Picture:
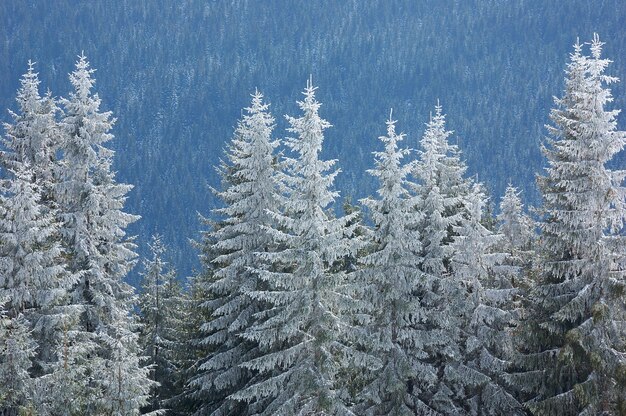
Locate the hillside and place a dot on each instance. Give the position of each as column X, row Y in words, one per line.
column 176, row 75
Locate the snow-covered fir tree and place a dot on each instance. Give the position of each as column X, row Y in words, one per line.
column 477, row 378
column 99, row 254
column 31, row 244
column 33, row 136
column 32, row 274
column 572, row 353
column 514, row 224
column 443, row 191
column 390, row 271
column 518, row 240
column 516, row 227
column 300, row 336
column 250, row 194
column 17, row 348
column 161, row 317
column 442, row 187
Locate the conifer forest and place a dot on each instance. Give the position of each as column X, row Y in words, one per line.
column 298, row 207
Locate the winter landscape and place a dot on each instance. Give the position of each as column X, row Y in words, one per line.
column 435, row 227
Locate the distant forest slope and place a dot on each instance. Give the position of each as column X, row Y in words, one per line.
column 177, row 73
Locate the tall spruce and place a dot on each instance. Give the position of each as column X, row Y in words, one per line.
column 518, row 241
column 100, row 255
column 514, row 224
column 443, row 191
column 572, row 357
column 442, row 188
column 17, row 348
column 477, row 376
column 32, row 138
column 32, row 274
column 390, row 270
column 161, row 316
column 250, row 194
column 194, row 352
column 300, row 335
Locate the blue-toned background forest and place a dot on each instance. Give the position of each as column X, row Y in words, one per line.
column 177, row 73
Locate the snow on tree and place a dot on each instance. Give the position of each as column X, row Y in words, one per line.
column 516, row 226
column 391, row 272
column 161, row 316
column 300, row 335
column 477, row 375
column 17, row 348
column 32, row 275
column 30, row 256
column 442, row 188
column 99, row 254
column 518, row 240
column 463, row 305
column 572, row 354
column 249, row 193
column 443, row 192
column 33, row 136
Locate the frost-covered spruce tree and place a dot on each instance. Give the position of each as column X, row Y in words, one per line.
column 32, row 276
column 476, row 376
column 161, row 317
column 32, row 137
column 573, row 354
column 391, row 274
column 442, row 187
column 516, row 226
column 250, row 194
column 99, row 254
column 518, row 240
column 31, row 257
column 17, row 349
column 300, row 336
column 443, row 191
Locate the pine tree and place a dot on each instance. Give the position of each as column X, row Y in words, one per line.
column 32, row 275
column 443, row 193
column 478, row 376
column 442, row 188
column 516, row 226
column 33, row 136
column 391, row 272
column 161, row 317
column 250, row 194
column 300, row 335
column 518, row 241
column 191, row 336
column 572, row 352
column 17, row 348
column 180, row 354
column 99, row 255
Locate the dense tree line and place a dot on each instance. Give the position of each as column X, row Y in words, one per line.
column 69, row 343
column 179, row 72
column 417, row 300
